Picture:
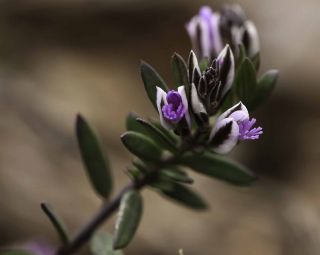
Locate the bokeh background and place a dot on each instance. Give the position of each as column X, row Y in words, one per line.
column 61, row 57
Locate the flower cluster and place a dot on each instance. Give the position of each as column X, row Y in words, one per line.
column 215, row 37
column 209, row 31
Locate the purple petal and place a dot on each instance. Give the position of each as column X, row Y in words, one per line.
column 238, row 107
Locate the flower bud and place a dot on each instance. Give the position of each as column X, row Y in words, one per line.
column 250, row 39
column 212, row 84
column 226, row 67
column 204, row 32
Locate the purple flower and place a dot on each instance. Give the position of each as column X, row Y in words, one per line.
column 204, row 33
column 231, row 126
column 173, row 108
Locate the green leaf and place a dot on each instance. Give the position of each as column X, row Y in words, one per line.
column 242, row 53
column 204, row 64
column 151, row 80
column 245, row 82
column 219, row 167
column 176, row 174
column 56, row 222
column 141, row 146
column 166, row 132
column 15, row 252
column 256, row 61
column 98, row 169
column 264, row 88
column 157, row 135
column 128, row 219
column 185, row 196
column 180, row 71
column 132, row 124
column 101, row 244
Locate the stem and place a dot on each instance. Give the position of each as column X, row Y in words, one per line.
column 110, row 207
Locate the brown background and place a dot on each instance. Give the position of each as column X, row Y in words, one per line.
column 58, row 58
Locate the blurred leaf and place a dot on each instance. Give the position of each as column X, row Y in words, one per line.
column 166, row 132
column 245, row 82
column 128, row 219
column 264, row 88
column 151, row 80
column 132, row 124
column 228, row 101
column 141, row 146
column 242, row 54
column 56, row 222
column 256, row 61
column 204, row 64
column 180, row 72
column 98, row 169
column 185, row 196
column 157, row 135
column 16, row 252
column 101, row 244
column 219, row 167
column 177, row 175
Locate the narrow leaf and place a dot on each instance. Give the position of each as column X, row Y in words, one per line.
column 157, row 135
column 256, row 61
column 98, row 169
column 264, row 88
column 141, row 146
column 166, row 132
column 219, row 167
column 176, row 175
column 128, row 219
column 245, row 82
column 180, row 71
column 132, row 124
column 101, row 244
column 56, row 222
column 151, row 80
column 185, row 196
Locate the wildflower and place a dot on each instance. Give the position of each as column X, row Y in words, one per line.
column 173, row 108
column 209, row 88
column 203, row 30
column 231, row 126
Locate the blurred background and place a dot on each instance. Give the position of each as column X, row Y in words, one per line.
column 61, row 57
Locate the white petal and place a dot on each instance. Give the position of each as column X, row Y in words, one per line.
column 239, row 116
column 196, row 104
column 182, row 92
column 238, row 107
column 231, row 73
column 162, row 97
column 194, row 60
column 191, row 27
column 254, row 45
column 205, row 38
column 217, row 40
column 231, row 139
